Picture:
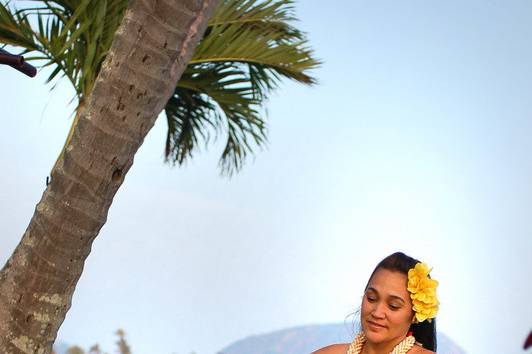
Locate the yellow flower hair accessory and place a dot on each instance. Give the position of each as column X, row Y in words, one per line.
column 422, row 291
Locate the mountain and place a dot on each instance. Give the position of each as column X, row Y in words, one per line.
column 300, row 340
column 306, row 339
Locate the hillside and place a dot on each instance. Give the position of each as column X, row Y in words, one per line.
column 306, row 339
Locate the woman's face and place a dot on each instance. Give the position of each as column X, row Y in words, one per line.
column 386, row 313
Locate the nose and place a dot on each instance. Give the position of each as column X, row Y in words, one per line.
column 379, row 310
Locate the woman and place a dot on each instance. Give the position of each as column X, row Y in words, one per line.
column 398, row 310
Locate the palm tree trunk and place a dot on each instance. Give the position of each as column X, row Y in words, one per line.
column 150, row 51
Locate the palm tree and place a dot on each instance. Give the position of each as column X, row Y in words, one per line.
column 125, row 66
column 248, row 47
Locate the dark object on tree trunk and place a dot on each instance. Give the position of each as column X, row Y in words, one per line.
column 17, row 62
column 528, row 342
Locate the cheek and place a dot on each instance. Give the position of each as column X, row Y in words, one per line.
column 403, row 317
column 365, row 308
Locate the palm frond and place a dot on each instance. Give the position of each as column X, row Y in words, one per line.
column 214, row 99
column 260, row 35
column 72, row 35
column 15, row 29
column 190, row 117
column 248, row 48
column 269, row 15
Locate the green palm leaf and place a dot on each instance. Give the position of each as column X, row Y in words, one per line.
column 15, row 29
column 248, row 48
column 73, row 36
column 214, row 98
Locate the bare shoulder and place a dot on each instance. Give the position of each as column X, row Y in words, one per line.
column 416, row 349
column 333, row 349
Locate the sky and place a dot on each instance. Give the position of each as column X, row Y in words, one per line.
column 417, row 138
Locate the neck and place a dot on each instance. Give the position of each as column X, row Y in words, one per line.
column 381, row 348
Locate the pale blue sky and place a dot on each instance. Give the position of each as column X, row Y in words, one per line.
column 417, row 139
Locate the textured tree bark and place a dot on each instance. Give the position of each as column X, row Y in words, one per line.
column 150, row 51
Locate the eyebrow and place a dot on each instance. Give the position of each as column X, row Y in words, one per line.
column 394, row 296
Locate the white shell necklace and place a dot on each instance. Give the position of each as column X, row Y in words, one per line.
column 401, row 348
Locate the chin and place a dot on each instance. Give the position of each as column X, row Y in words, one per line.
column 375, row 336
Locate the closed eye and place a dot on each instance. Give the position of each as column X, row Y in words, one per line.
column 371, row 298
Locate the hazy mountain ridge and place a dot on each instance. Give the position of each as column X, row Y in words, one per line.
column 299, row 340
column 306, row 339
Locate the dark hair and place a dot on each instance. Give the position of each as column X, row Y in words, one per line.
column 424, row 332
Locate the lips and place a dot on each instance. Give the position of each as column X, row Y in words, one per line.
column 375, row 326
